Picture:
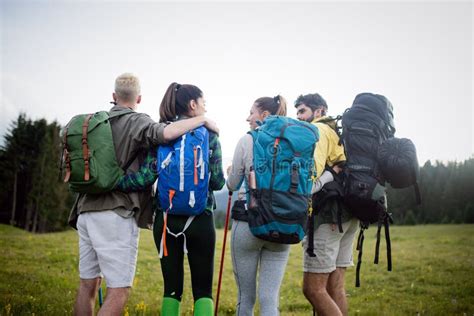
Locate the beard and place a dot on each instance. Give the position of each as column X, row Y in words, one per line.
column 310, row 119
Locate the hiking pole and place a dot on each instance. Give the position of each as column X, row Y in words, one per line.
column 101, row 297
column 223, row 252
column 101, row 294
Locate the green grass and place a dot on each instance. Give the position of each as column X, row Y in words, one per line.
column 433, row 274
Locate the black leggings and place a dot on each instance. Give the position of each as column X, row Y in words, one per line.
column 200, row 242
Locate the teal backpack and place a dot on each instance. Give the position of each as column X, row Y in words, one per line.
column 89, row 157
column 283, row 165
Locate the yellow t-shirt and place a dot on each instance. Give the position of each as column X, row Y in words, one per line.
column 328, row 151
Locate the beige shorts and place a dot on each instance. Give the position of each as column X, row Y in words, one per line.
column 332, row 248
column 108, row 246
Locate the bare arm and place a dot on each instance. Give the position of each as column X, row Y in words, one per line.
column 178, row 128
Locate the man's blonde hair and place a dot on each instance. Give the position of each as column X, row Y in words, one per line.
column 127, row 87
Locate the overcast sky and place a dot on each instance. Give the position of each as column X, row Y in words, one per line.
column 60, row 58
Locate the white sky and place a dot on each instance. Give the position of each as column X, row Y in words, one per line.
column 60, row 58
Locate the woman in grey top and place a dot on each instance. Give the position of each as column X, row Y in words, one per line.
column 249, row 253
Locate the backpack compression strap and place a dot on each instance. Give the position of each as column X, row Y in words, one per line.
column 85, row 147
column 360, row 244
column 385, row 221
column 416, row 187
column 163, row 248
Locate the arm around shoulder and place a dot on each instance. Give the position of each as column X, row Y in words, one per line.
column 178, row 128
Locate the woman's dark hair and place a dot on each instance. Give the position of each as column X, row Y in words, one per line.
column 176, row 100
column 313, row 101
column 275, row 105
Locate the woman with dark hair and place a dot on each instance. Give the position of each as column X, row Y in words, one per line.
column 180, row 233
column 251, row 255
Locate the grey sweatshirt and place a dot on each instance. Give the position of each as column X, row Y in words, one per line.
column 241, row 163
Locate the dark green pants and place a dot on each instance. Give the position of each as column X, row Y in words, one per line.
column 200, row 242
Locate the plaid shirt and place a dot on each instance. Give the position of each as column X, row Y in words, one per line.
column 148, row 173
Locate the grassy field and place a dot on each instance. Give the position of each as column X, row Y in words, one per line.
column 433, row 274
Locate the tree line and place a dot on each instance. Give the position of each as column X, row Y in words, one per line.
column 447, row 193
column 33, row 196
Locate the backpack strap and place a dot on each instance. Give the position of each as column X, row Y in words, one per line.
column 310, row 231
column 360, row 244
column 67, row 157
column 337, row 128
column 339, row 216
column 163, row 248
column 85, row 147
column 181, row 233
column 387, row 221
column 416, row 187
column 181, row 163
column 166, row 230
column 295, row 179
column 377, row 243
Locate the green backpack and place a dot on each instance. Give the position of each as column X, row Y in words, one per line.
column 89, row 153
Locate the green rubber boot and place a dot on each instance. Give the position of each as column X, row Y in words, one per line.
column 204, row 307
column 170, row 307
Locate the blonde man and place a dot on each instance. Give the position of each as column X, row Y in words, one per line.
column 108, row 223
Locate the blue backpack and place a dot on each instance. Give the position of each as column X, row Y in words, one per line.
column 284, row 165
column 183, row 173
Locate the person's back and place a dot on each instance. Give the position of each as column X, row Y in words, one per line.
column 254, row 258
column 323, row 282
column 107, row 223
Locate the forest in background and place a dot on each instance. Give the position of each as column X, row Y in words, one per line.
column 33, row 197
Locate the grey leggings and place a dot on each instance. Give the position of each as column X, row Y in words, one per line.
column 250, row 254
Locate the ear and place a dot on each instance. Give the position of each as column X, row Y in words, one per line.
column 192, row 105
column 139, row 99
column 265, row 114
column 114, row 96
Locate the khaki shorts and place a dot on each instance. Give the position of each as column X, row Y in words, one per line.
column 108, row 246
column 332, row 248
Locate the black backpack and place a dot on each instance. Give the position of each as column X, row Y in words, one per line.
column 399, row 164
column 332, row 192
column 365, row 126
column 374, row 157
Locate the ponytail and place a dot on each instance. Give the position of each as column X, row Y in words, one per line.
column 176, row 100
column 282, row 105
column 275, row 105
column 168, row 104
